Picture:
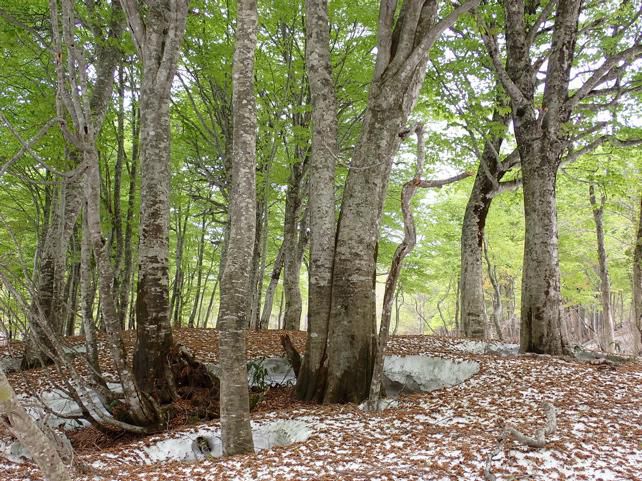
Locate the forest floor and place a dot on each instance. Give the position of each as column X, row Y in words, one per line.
column 446, row 434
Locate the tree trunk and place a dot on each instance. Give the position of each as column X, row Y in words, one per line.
column 22, row 426
column 157, row 32
column 49, row 300
column 402, row 55
column 541, row 138
column 498, row 309
column 473, row 319
column 637, row 282
column 325, row 150
column 128, row 263
column 541, row 297
column 269, row 293
column 199, row 275
column 292, row 262
column 607, row 334
column 236, row 431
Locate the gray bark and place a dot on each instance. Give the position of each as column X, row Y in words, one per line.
column 271, row 289
column 292, row 259
column 199, row 275
column 402, row 251
column 637, row 282
column 325, row 150
column 473, row 319
column 236, row 432
column 607, row 333
column 157, row 31
column 42, row 449
column 402, row 54
column 540, row 139
column 49, row 299
column 498, row 309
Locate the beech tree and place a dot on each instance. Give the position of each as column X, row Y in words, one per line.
column 637, row 279
column 403, row 42
column 235, row 281
column 542, row 137
column 157, row 28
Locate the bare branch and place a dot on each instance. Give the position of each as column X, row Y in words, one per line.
column 602, row 73
column 491, row 47
column 26, row 147
column 28, row 144
column 421, row 49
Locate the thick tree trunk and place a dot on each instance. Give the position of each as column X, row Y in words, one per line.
column 607, row 332
column 352, row 325
column 325, row 150
column 637, row 282
column 157, row 32
column 236, row 431
column 541, row 138
column 472, row 310
column 541, row 297
column 402, row 54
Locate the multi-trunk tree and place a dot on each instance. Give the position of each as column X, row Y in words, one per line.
column 540, row 123
column 403, row 43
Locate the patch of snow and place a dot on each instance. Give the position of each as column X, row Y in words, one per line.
column 268, row 371
column 206, row 442
column 424, row 373
column 486, row 347
column 61, row 404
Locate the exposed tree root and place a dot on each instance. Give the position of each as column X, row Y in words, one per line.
column 537, row 441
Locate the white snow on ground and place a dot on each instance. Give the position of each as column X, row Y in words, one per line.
column 184, row 446
column 424, row 374
column 442, row 435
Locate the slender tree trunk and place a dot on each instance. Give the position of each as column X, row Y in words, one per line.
column 176, row 304
column 128, row 262
column 117, row 238
column 86, row 296
column 498, row 310
column 403, row 249
column 23, row 427
column 472, row 310
column 49, row 300
column 269, row 293
column 211, row 303
column 607, row 336
column 144, row 412
column 199, row 274
column 637, row 283
column 236, row 431
column 258, row 260
column 292, row 264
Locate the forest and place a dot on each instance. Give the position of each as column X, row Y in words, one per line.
column 312, row 239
